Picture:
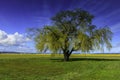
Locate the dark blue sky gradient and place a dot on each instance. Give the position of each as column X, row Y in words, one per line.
column 18, row 15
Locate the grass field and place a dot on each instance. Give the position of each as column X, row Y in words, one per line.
column 47, row 67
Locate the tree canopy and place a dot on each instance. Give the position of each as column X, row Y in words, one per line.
column 72, row 30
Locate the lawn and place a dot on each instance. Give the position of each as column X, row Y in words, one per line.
column 47, row 67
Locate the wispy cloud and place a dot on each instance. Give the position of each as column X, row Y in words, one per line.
column 115, row 48
column 115, row 28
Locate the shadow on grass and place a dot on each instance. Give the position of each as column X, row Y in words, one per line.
column 85, row 59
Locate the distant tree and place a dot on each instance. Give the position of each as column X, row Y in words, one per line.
column 72, row 30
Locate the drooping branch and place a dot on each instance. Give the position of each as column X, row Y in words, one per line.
column 72, row 30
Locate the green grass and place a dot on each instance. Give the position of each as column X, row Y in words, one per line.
column 45, row 67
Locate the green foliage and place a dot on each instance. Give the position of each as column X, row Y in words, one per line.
column 72, row 30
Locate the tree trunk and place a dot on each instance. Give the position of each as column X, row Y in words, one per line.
column 67, row 54
column 66, row 57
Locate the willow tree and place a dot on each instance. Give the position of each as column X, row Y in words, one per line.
column 72, row 30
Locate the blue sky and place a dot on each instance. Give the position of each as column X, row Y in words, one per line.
column 18, row 15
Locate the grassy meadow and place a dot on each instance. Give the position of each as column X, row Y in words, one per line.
column 47, row 67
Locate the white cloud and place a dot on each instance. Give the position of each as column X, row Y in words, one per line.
column 12, row 39
column 3, row 35
column 15, row 42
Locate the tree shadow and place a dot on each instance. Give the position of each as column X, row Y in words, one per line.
column 86, row 59
column 93, row 59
